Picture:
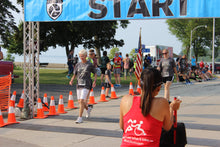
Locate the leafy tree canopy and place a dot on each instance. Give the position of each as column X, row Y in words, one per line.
column 201, row 36
column 7, row 23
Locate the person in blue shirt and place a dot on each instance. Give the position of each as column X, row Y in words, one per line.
column 193, row 63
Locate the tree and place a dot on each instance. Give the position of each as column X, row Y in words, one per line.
column 111, row 55
column 90, row 34
column 7, row 23
column 181, row 28
column 132, row 53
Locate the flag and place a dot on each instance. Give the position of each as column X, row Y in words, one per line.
column 138, row 68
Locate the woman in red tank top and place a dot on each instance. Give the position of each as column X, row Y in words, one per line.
column 142, row 117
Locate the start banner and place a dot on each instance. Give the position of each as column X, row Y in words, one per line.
column 90, row 10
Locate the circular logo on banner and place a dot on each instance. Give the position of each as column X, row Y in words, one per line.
column 54, row 8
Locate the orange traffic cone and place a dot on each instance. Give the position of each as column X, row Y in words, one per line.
column 2, row 124
column 91, row 97
column 138, row 89
column 21, row 101
column 70, row 101
column 52, row 110
column 40, row 112
column 113, row 94
column 131, row 90
column 45, row 108
column 13, row 97
column 102, row 98
column 61, row 105
column 11, row 114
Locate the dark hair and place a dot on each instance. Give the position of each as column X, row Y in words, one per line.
column 150, row 79
column 127, row 55
column 104, row 53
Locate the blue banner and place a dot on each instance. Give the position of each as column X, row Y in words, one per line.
column 90, row 10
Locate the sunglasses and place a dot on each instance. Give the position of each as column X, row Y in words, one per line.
column 164, row 53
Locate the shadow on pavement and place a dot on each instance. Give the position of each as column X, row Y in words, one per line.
column 92, row 119
column 202, row 142
column 74, row 130
column 202, row 127
column 213, row 116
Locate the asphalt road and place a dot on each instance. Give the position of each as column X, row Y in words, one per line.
column 200, row 111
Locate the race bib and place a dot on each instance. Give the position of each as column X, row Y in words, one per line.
column 81, row 82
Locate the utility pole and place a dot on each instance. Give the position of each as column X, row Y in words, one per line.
column 213, row 47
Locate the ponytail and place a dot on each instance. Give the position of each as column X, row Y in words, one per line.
column 150, row 80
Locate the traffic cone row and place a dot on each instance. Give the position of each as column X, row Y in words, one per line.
column 13, row 98
column 113, row 94
column 138, row 89
column 45, row 106
column 92, row 98
column 11, row 114
column 2, row 124
column 21, row 101
column 131, row 89
column 102, row 98
column 70, row 101
column 40, row 112
column 61, row 106
column 52, row 110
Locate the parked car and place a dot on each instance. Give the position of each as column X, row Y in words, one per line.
column 6, row 67
column 217, row 67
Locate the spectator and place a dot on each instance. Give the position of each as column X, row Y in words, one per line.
column 108, row 82
column 117, row 69
column 193, row 64
column 201, row 64
column 75, row 60
column 149, row 60
column 143, row 117
column 126, row 62
column 167, row 66
column 1, row 54
column 145, row 62
column 131, row 67
column 83, row 72
column 104, row 61
column 70, row 64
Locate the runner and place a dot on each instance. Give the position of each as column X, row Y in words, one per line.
column 83, row 72
column 167, row 66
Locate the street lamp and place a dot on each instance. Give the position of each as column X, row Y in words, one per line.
column 191, row 38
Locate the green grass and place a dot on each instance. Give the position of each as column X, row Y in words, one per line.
column 53, row 76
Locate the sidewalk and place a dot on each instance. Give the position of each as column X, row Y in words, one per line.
column 199, row 111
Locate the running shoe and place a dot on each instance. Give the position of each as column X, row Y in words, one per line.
column 88, row 111
column 107, row 96
column 68, row 77
column 116, row 85
column 79, row 120
column 119, row 85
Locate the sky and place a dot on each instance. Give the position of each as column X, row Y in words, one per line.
column 153, row 32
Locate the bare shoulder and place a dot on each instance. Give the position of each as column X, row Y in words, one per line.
column 127, row 99
column 160, row 101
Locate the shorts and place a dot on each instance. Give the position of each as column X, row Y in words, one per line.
column 183, row 71
column 165, row 79
column 103, row 70
column 82, row 93
column 117, row 71
column 107, row 85
column 193, row 68
column 126, row 72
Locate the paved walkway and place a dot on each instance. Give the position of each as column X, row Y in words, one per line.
column 200, row 111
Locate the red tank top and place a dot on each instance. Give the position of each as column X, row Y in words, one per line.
column 140, row 130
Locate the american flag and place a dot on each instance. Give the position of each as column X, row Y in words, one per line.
column 138, row 69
